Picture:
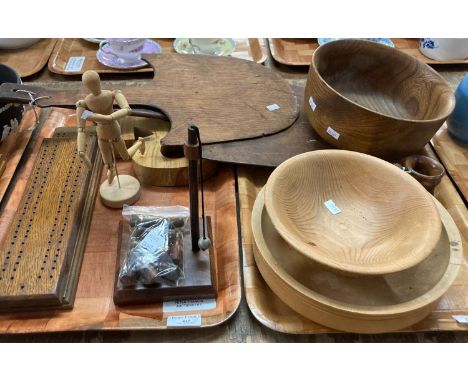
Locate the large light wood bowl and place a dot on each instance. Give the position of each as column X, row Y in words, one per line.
column 364, row 305
column 388, row 221
column 379, row 100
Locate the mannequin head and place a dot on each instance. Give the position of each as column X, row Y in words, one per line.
column 92, row 81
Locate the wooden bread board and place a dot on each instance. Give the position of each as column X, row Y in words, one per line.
column 30, row 60
column 94, row 308
column 253, row 49
column 298, row 51
column 228, row 98
column 273, row 313
column 271, row 150
column 454, row 157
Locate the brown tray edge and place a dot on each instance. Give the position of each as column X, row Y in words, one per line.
column 271, row 324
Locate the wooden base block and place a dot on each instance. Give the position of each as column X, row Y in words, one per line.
column 200, row 276
column 124, row 189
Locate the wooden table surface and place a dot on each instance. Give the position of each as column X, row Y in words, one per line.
column 243, row 327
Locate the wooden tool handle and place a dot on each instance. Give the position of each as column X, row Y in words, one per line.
column 15, row 93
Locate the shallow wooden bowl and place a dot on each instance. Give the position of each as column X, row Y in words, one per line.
column 364, row 305
column 368, row 97
column 388, row 221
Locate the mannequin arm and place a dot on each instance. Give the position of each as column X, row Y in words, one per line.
column 96, row 117
column 81, row 137
column 123, row 104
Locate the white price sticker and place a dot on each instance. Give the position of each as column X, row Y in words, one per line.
column 86, row 114
column 187, row 321
column 333, row 133
column 272, row 107
column 461, row 319
column 75, row 64
column 152, row 241
column 331, row 206
column 189, row 305
column 312, row 103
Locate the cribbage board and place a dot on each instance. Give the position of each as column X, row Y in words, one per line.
column 40, row 256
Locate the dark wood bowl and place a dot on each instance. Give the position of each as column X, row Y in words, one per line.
column 368, row 97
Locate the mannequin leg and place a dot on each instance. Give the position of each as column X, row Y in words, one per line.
column 106, row 152
column 120, row 147
column 138, row 145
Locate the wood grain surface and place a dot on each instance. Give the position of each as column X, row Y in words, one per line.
column 298, row 51
column 271, row 150
column 243, row 326
column 371, row 98
column 363, row 305
column 253, row 49
column 268, row 309
column 93, row 308
column 293, row 51
column 225, row 97
column 231, row 96
column 454, row 157
column 152, row 168
column 41, row 241
column 387, row 222
column 30, row 60
column 13, row 147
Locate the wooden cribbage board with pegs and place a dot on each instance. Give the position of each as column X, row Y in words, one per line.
column 40, row 257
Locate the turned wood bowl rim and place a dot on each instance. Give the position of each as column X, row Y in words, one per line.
column 318, row 301
column 313, row 67
column 420, row 174
column 429, row 238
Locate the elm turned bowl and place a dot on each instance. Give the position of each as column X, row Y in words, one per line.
column 388, row 221
column 364, row 305
column 368, row 97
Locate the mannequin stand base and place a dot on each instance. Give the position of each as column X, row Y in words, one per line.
column 114, row 196
column 200, row 272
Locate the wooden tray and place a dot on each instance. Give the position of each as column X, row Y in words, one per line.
column 454, row 156
column 94, row 308
column 253, row 49
column 13, row 147
column 30, row 60
column 298, row 51
column 273, row 313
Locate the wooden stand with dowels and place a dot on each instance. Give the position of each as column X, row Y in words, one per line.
column 98, row 107
column 199, row 255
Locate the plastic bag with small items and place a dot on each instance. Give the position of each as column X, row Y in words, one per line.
column 154, row 250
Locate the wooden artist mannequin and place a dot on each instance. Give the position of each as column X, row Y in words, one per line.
column 98, row 107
